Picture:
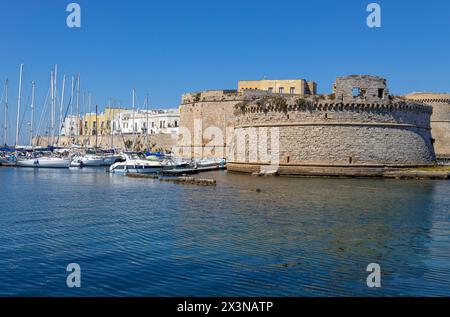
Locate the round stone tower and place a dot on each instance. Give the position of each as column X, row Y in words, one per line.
column 440, row 120
column 359, row 130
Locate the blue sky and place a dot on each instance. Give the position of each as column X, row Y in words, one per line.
column 166, row 48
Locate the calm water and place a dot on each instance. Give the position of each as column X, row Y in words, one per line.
column 297, row 237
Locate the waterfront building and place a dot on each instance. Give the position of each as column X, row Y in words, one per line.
column 71, row 126
column 147, row 122
column 100, row 123
column 284, row 86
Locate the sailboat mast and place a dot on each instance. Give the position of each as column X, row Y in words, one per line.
column 148, row 128
column 77, row 110
column 111, row 126
column 71, row 106
column 61, row 110
column 71, row 95
column 90, row 118
column 132, row 115
column 55, row 76
column 33, row 86
column 5, row 123
column 52, row 108
column 19, row 99
column 96, row 127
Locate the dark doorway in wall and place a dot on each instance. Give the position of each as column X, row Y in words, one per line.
column 350, row 160
column 380, row 93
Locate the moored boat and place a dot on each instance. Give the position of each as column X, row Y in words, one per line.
column 136, row 164
column 44, row 162
column 95, row 160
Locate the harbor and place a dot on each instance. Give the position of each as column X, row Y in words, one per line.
column 209, row 157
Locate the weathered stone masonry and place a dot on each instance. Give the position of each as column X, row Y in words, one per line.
column 339, row 134
column 440, row 120
column 200, row 112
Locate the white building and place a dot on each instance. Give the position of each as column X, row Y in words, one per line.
column 143, row 121
column 71, row 126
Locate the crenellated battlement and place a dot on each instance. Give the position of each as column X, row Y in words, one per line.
column 426, row 97
column 325, row 103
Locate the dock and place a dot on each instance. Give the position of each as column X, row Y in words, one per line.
column 190, row 180
column 189, row 171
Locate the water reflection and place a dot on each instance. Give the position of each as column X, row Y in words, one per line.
column 246, row 236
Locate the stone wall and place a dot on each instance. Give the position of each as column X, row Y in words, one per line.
column 207, row 121
column 323, row 136
column 440, row 120
column 360, row 87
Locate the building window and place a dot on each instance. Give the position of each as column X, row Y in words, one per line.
column 356, row 92
column 380, row 93
column 281, row 90
column 292, row 90
column 270, row 89
column 176, row 123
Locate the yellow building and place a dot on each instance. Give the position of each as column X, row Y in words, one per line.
column 99, row 123
column 286, row 86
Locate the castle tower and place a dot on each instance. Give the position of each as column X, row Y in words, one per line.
column 359, row 130
column 440, row 120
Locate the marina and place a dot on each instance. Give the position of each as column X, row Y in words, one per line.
column 224, row 157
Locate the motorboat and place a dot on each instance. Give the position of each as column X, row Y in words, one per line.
column 136, row 164
column 95, row 160
column 209, row 163
column 7, row 160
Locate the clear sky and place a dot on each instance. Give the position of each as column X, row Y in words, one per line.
column 167, row 48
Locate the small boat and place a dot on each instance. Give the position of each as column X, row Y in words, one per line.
column 44, row 162
column 95, row 160
column 209, row 163
column 136, row 164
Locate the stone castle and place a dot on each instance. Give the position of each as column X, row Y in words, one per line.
column 358, row 130
column 440, row 120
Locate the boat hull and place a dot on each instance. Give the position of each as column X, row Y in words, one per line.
column 99, row 161
column 43, row 163
column 136, row 170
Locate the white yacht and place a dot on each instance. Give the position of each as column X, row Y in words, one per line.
column 136, row 164
column 95, row 160
column 44, row 162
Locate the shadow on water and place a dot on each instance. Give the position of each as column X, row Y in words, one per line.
column 246, row 236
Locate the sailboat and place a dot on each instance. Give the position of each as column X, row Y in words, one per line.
column 44, row 162
column 38, row 160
